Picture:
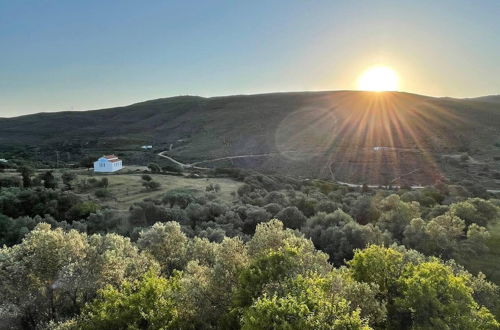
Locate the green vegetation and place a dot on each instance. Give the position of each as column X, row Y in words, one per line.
column 303, row 133
column 244, row 250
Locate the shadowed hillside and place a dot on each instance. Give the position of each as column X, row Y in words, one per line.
column 377, row 138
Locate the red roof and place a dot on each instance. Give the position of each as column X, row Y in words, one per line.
column 112, row 158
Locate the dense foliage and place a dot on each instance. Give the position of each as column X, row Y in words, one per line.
column 333, row 257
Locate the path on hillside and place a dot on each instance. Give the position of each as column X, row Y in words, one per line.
column 162, row 154
column 193, row 165
column 247, row 156
column 353, row 185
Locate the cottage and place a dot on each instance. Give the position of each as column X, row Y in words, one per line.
column 107, row 164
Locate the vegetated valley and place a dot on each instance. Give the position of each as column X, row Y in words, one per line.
column 331, row 210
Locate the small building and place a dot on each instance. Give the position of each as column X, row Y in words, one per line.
column 107, row 164
column 147, row 147
column 3, row 160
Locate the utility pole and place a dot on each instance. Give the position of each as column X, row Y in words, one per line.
column 57, row 158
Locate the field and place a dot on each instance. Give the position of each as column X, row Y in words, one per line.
column 127, row 188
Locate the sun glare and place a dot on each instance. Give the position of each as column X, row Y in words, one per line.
column 378, row 79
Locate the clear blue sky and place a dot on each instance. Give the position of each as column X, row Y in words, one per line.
column 77, row 55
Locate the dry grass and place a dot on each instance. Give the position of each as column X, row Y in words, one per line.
column 127, row 188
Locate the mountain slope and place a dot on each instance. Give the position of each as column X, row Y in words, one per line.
column 488, row 98
column 356, row 136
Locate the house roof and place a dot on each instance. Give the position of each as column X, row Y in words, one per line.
column 111, row 158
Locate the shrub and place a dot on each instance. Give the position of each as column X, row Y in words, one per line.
column 154, row 168
column 146, row 177
column 102, row 193
column 151, row 185
column 10, row 181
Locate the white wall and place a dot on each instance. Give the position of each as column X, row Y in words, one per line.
column 103, row 165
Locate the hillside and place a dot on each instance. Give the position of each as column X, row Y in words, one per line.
column 356, row 136
column 487, row 98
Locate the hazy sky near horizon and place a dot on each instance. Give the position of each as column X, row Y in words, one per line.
column 79, row 55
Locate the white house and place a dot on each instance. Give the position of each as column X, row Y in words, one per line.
column 107, row 164
column 147, row 147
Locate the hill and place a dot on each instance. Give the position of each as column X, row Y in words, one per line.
column 487, row 98
column 377, row 138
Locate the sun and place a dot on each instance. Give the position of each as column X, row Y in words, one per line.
column 378, row 79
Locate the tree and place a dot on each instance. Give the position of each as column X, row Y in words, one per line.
column 364, row 210
column 396, row 215
column 151, row 185
column 87, row 162
column 291, row 217
column 276, row 197
column 339, row 235
column 206, row 292
column 31, row 272
column 476, row 210
column 272, row 236
column 154, row 168
column 180, row 197
column 415, row 235
column 271, row 267
column 82, row 210
column 435, row 298
column 301, row 311
column 253, row 217
column 379, row 265
column 103, row 221
column 167, row 244
column 148, row 303
column 67, row 178
column 26, row 173
column 304, row 302
column 172, row 168
column 49, row 181
column 444, row 232
column 52, row 273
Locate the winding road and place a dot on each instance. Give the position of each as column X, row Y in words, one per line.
column 353, row 185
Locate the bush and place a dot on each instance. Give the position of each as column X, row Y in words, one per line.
column 154, row 168
column 104, row 183
column 10, row 181
column 82, row 210
column 180, row 197
column 172, row 168
column 151, row 185
column 146, row 177
column 102, row 193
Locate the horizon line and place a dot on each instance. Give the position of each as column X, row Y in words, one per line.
column 253, row 94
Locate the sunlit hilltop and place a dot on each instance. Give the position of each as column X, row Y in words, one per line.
column 378, row 79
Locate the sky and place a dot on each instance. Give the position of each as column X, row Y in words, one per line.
column 81, row 55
